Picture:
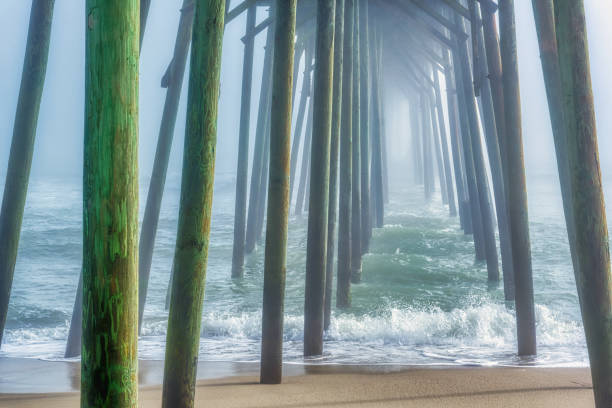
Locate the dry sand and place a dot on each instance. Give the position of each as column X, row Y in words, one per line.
column 382, row 386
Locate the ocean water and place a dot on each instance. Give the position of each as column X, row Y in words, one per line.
column 423, row 299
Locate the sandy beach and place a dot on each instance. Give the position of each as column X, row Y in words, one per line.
column 321, row 386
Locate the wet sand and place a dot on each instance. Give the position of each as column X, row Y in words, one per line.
column 235, row 385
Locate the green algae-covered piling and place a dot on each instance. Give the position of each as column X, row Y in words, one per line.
column 333, row 158
column 343, row 288
column 185, row 316
column 316, row 250
column 356, row 155
column 109, row 364
column 173, row 81
column 278, row 195
column 593, row 278
column 364, row 132
column 257, row 172
column 22, row 146
column 243, row 148
column 516, row 185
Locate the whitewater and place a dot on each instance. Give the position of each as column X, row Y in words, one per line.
column 423, row 300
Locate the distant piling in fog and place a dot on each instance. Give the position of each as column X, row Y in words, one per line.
column 22, row 146
column 334, row 158
column 278, row 195
column 516, row 185
column 243, row 147
column 343, row 297
column 316, row 251
column 356, row 154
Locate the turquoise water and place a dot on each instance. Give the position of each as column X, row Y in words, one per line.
column 423, row 300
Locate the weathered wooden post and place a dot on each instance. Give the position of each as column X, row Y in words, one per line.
column 297, row 134
column 278, row 195
column 545, row 24
column 316, row 251
column 243, row 147
column 299, row 203
column 260, row 144
column 468, row 162
column 376, row 165
column 450, row 191
column 593, row 277
column 356, row 154
column 173, row 81
column 109, row 364
column 185, row 316
column 492, row 141
column 426, row 131
column 516, row 186
column 343, row 288
column 263, row 185
column 417, row 157
column 435, row 133
column 333, row 160
column 486, row 211
column 22, row 146
column 364, row 132
column 458, row 161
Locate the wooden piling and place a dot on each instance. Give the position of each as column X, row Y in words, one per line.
column 468, row 161
column 376, row 165
column 299, row 123
column 426, row 131
column 343, row 297
column 260, row 143
column 191, row 254
column 243, row 147
column 593, row 277
column 450, row 190
column 333, row 160
column 455, row 138
column 356, row 232
column 516, row 189
column 278, row 195
column 109, row 363
column 492, row 141
column 316, row 249
column 437, row 148
column 173, row 80
column 486, row 209
column 22, row 146
column 364, row 132
column 301, row 194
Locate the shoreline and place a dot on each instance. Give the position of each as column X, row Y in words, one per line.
column 236, row 385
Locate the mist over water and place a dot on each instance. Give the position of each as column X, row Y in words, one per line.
column 423, row 300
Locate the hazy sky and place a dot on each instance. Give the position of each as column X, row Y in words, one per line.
column 60, row 129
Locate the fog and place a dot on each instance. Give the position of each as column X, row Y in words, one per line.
column 59, row 138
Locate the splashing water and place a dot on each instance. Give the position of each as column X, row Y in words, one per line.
column 423, row 300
